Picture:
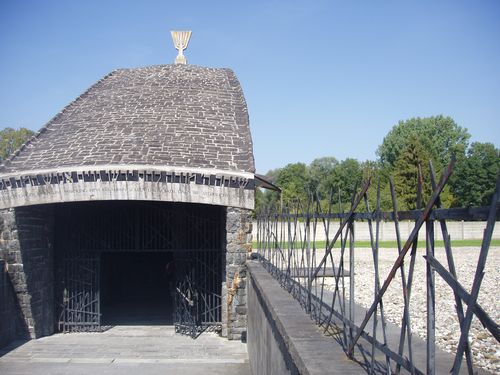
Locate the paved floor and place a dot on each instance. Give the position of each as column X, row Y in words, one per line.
column 126, row 350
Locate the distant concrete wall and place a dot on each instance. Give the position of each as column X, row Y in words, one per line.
column 282, row 339
column 458, row 230
column 26, row 246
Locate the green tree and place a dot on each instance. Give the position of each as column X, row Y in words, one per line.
column 265, row 200
column 293, row 179
column 473, row 181
column 320, row 171
column 439, row 135
column 345, row 178
column 11, row 140
column 406, row 174
column 373, row 169
column 272, row 174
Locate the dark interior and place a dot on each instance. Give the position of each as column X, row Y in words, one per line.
column 137, row 287
column 119, row 263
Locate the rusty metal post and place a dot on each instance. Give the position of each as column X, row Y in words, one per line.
column 431, row 301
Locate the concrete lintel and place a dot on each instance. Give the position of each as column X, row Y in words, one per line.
column 129, row 167
column 141, row 182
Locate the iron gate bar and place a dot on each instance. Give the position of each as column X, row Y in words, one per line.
column 287, row 243
column 198, row 304
column 405, row 324
column 375, row 247
column 478, row 278
column 431, row 301
column 482, row 315
column 80, row 304
column 451, row 266
column 404, row 362
column 406, row 319
column 344, row 223
column 477, row 281
column 405, row 249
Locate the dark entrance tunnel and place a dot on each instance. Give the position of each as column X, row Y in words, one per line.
column 137, row 287
column 138, row 263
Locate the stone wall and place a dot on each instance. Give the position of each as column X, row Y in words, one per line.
column 267, row 351
column 7, row 308
column 234, row 292
column 26, row 245
column 282, row 338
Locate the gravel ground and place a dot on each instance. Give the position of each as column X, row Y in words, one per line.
column 485, row 349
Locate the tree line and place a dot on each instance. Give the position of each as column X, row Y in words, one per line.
column 11, row 139
column 408, row 146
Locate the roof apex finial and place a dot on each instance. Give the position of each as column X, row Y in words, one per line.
column 181, row 40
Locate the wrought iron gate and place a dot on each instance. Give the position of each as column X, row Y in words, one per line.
column 194, row 233
column 197, row 294
column 79, row 310
column 78, row 273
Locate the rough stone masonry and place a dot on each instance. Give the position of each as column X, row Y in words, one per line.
column 26, row 247
column 238, row 248
column 186, row 120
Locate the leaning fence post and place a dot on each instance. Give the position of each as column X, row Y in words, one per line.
column 308, row 255
column 351, row 277
column 399, row 262
column 478, row 278
column 431, row 301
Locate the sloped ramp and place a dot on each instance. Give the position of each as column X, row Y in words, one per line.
column 126, row 350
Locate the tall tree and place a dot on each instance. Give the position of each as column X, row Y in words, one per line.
column 11, row 140
column 293, row 179
column 320, row 171
column 373, row 170
column 345, row 178
column 406, row 167
column 439, row 135
column 474, row 179
column 272, row 174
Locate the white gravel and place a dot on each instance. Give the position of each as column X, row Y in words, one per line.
column 485, row 349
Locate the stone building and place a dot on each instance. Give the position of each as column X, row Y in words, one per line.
column 133, row 203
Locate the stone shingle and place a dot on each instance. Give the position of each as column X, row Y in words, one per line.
column 166, row 115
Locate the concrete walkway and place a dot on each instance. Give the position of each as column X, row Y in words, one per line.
column 126, row 350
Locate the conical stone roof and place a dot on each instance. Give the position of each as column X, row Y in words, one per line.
column 166, row 115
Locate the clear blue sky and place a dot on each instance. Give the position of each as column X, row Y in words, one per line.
column 321, row 78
